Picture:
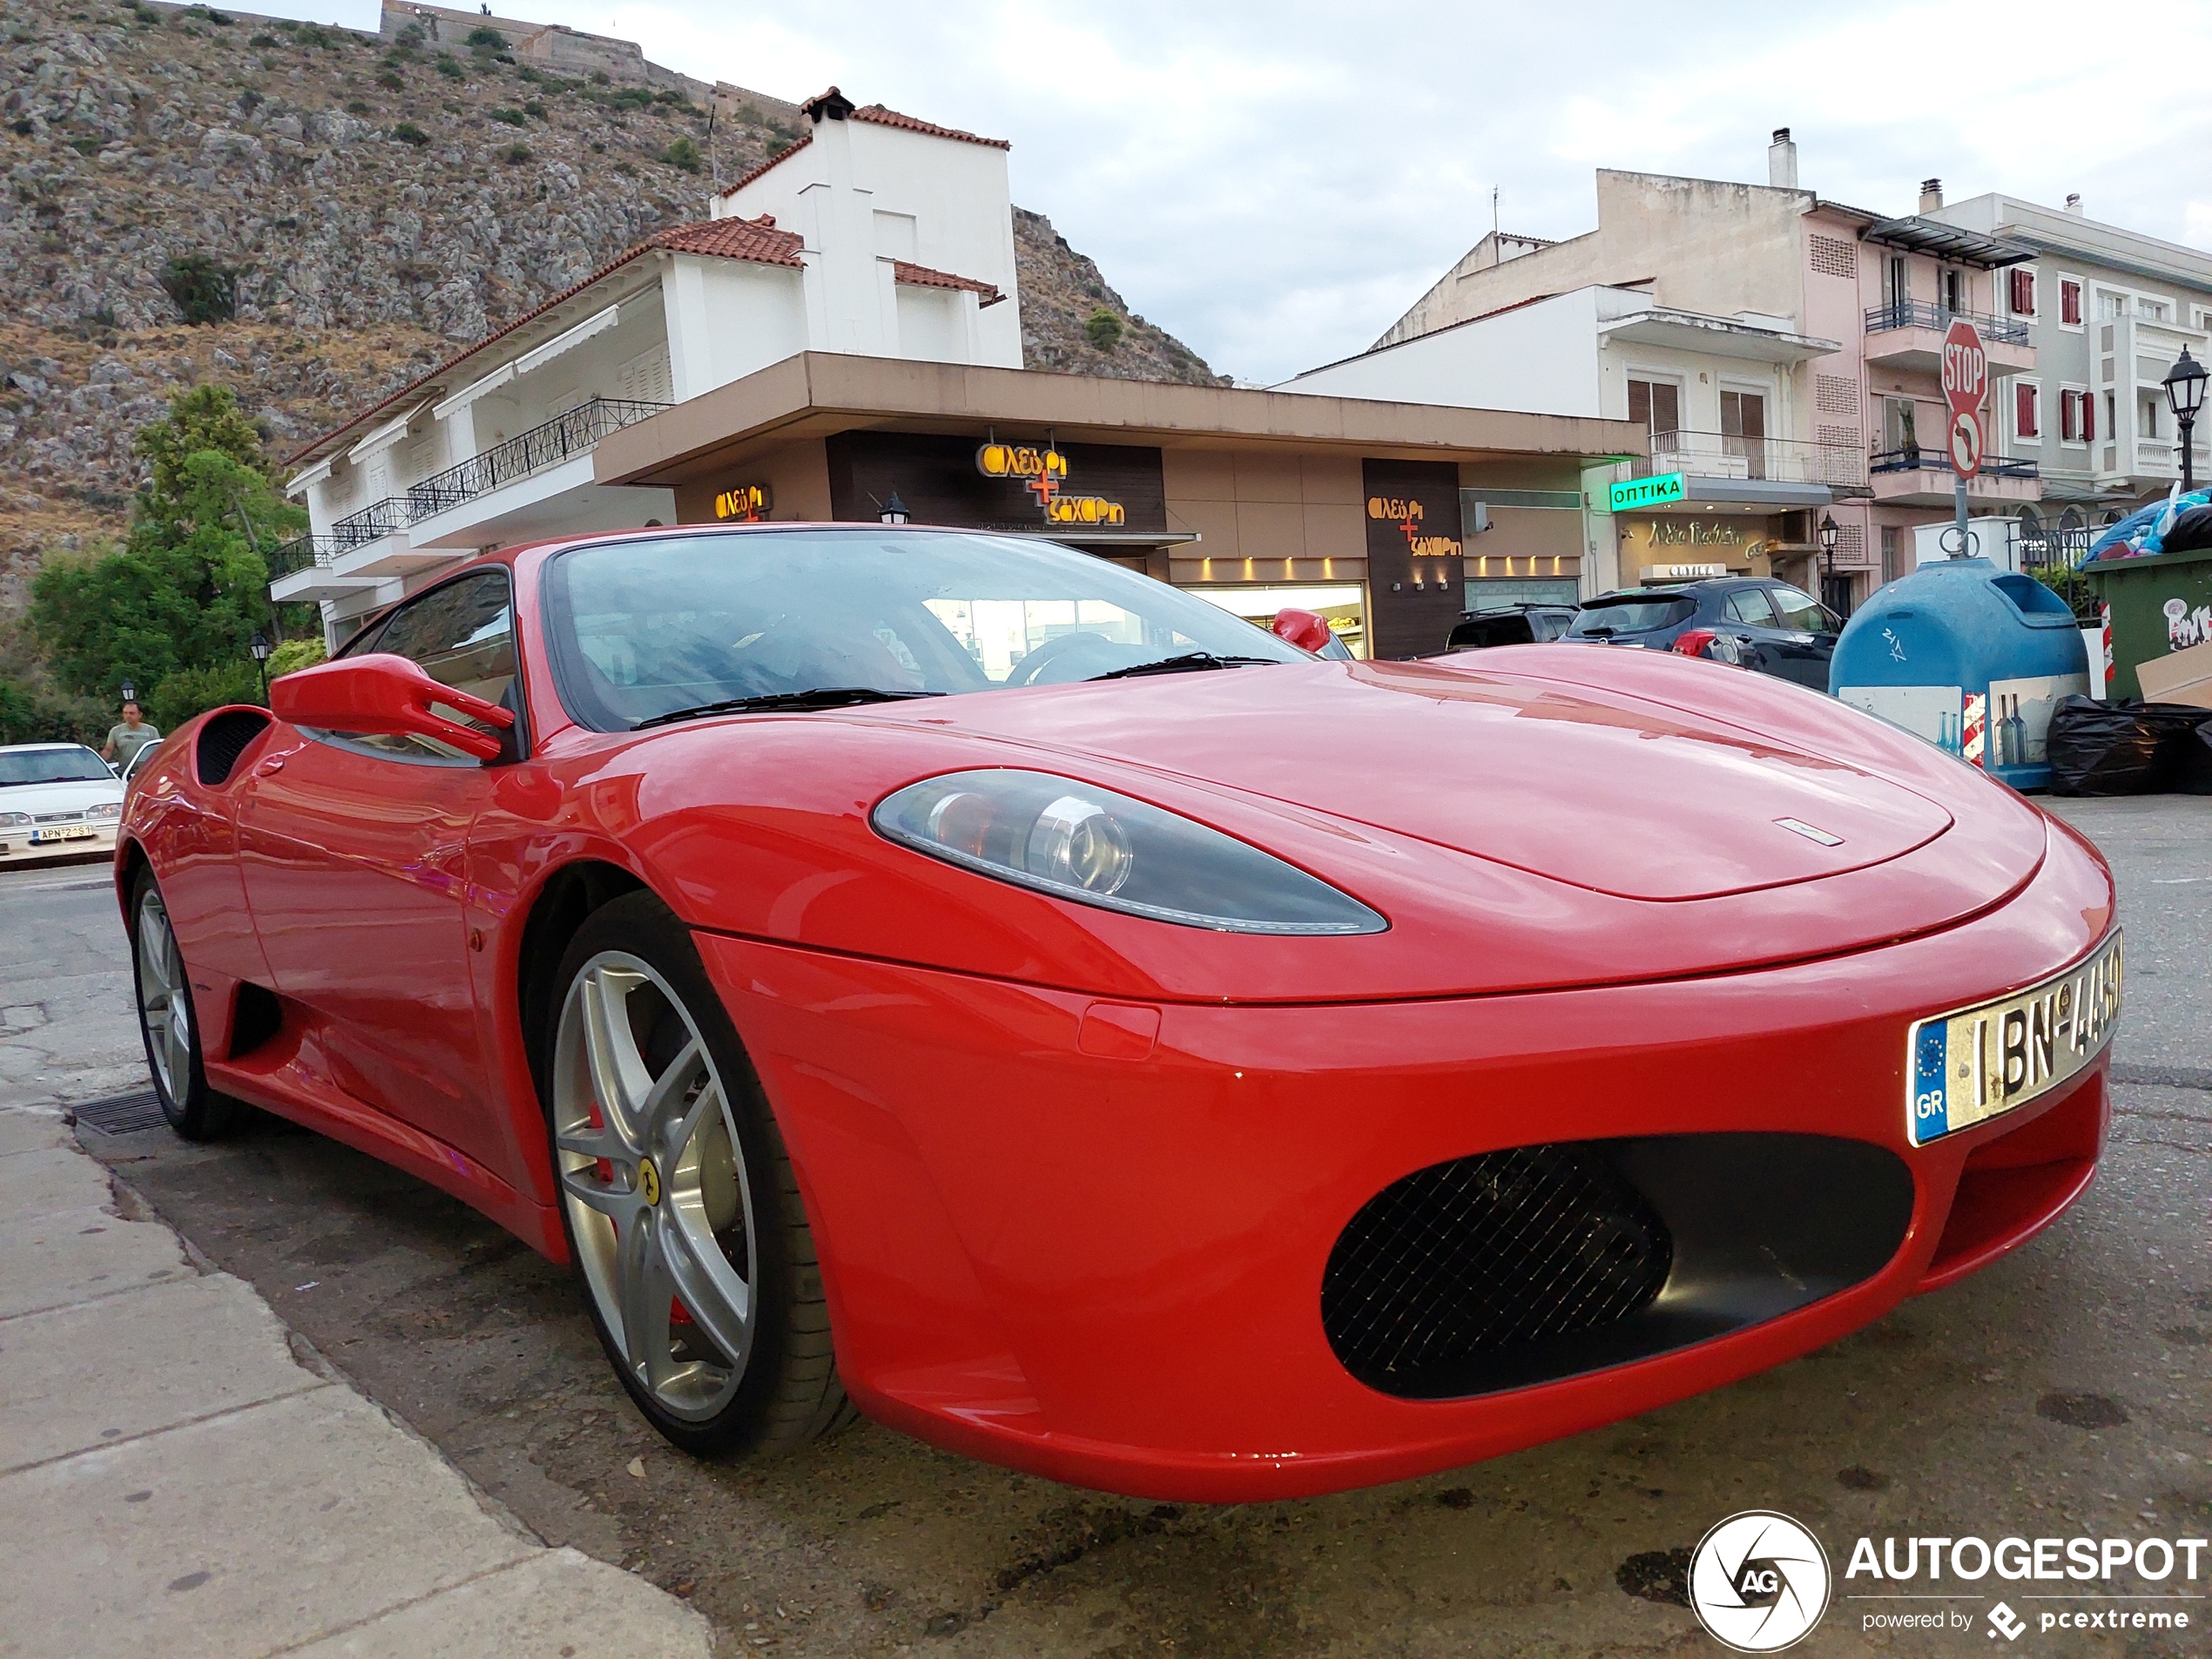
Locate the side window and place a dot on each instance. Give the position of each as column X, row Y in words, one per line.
column 462, row 635
column 1802, row 612
column 1749, row 605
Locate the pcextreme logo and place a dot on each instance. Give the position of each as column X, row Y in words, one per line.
column 1758, row 1582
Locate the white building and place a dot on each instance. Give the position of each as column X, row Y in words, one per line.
column 877, row 235
column 1717, row 396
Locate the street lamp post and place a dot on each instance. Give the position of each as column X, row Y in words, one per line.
column 1828, row 534
column 260, row 649
column 2185, row 397
column 894, row 510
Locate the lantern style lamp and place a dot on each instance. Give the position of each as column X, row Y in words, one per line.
column 1828, row 534
column 2185, row 397
column 894, row 510
column 260, row 649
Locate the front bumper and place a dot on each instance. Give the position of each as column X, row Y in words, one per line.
column 16, row 846
column 1089, row 1239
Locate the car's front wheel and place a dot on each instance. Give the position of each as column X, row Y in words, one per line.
column 681, row 1206
column 169, row 1022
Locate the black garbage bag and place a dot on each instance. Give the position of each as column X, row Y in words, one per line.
column 2192, row 530
column 2130, row 748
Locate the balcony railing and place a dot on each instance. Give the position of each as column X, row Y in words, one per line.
column 1939, row 460
column 545, row 445
column 1723, row 455
column 372, row 523
column 1913, row 314
column 300, row 552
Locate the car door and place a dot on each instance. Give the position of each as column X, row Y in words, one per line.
column 1808, row 636
column 1750, row 620
column 355, row 853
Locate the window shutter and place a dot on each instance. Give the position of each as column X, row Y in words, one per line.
column 2024, row 409
column 2088, row 418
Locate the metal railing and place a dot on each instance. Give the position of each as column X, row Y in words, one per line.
column 372, row 523
column 545, row 445
column 1723, row 455
column 1939, row 460
column 1914, row 313
column 300, row 552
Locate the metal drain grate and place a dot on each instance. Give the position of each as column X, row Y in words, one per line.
column 122, row 1114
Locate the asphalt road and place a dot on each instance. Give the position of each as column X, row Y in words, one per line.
column 2066, row 1389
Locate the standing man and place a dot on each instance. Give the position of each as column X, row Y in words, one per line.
column 124, row 741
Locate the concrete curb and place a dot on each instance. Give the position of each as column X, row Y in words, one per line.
column 180, row 1473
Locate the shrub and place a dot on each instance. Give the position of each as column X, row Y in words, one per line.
column 249, row 101
column 203, row 290
column 183, row 692
column 516, row 154
column 264, row 42
column 87, row 146
column 484, row 39
column 391, row 82
column 313, row 34
column 296, row 654
column 450, row 66
column 513, row 118
column 1104, row 330
column 622, row 167
column 407, row 132
column 683, row 153
column 355, row 106
column 413, row 35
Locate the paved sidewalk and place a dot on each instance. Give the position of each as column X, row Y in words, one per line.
column 181, row 1476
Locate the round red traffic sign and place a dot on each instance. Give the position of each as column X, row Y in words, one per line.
column 1965, row 445
column 1965, row 367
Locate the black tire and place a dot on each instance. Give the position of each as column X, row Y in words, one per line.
column 783, row 1391
column 166, row 1010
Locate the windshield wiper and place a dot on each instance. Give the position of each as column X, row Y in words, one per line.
column 819, row 697
column 1189, row 662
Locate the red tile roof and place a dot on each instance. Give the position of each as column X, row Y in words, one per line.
column 920, row 276
column 882, row 116
column 754, row 240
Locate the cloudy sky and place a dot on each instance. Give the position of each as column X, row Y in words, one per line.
column 1274, row 181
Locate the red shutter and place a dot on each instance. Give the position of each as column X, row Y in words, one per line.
column 2069, row 302
column 2024, row 409
column 2023, row 293
column 2088, row 417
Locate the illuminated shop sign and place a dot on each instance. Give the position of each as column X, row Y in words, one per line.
column 1043, row 472
column 745, row 503
column 1648, row 492
column 1406, row 513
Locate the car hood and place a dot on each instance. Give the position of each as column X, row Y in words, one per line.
column 1577, row 782
column 39, row 798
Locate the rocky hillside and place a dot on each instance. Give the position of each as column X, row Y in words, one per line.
column 313, row 215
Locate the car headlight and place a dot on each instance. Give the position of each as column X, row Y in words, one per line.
column 15, row 820
column 105, row 809
column 1078, row 841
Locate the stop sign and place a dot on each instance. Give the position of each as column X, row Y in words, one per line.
column 1965, row 367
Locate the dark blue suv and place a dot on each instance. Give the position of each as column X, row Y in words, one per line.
column 1756, row 621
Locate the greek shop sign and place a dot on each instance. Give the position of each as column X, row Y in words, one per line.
column 1648, row 492
column 1043, row 472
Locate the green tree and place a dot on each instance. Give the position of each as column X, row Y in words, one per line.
column 187, row 590
column 683, row 153
column 1104, row 330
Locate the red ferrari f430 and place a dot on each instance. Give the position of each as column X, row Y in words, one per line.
column 954, row 977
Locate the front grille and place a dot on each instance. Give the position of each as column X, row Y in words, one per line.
column 44, row 818
column 1487, row 1253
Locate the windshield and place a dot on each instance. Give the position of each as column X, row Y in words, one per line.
column 643, row 629
column 73, row 766
column 1601, row 618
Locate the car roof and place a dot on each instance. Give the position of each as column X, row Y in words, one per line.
column 35, row 748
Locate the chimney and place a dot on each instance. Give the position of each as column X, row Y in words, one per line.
column 2074, row 205
column 1930, row 194
column 1782, row 160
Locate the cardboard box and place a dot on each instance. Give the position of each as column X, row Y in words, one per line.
column 2178, row 677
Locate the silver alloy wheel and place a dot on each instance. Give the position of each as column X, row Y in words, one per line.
column 165, row 1001
column 653, row 1175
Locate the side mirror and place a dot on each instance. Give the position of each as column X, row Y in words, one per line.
column 1301, row 628
column 386, row 696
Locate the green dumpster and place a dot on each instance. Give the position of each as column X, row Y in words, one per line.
column 2158, row 604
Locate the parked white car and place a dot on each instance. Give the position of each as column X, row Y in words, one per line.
column 56, row 800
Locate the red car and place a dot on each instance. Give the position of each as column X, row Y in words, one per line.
column 954, row 977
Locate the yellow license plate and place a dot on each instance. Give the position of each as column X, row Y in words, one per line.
column 1979, row 1063
column 74, row 832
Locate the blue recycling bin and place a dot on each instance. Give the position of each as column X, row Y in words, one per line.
column 1971, row 658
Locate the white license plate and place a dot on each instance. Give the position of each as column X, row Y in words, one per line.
column 73, row 833
column 1981, row 1062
